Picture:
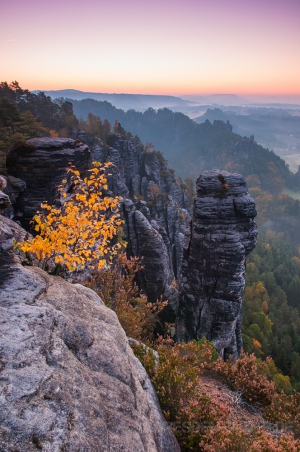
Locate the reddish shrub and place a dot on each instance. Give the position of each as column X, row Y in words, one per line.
column 247, row 376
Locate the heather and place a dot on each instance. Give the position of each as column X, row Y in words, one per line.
column 214, row 405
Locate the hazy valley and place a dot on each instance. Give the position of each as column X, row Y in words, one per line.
column 275, row 125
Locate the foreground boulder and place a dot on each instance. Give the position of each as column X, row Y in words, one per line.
column 68, row 377
column 222, row 234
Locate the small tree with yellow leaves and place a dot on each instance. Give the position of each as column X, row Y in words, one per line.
column 80, row 233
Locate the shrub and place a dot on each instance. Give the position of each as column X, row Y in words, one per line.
column 117, row 287
column 247, row 376
column 204, row 421
column 232, row 437
column 80, row 232
column 176, row 379
column 285, row 410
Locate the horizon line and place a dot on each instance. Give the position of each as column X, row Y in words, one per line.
column 176, row 95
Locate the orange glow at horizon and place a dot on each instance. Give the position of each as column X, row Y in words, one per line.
column 183, row 47
column 163, row 89
column 165, row 86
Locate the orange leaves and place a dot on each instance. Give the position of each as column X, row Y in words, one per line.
column 80, row 232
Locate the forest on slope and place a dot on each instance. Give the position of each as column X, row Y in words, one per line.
column 271, row 324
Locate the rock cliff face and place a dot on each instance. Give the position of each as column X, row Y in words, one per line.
column 145, row 179
column 222, row 233
column 155, row 212
column 68, row 378
column 42, row 166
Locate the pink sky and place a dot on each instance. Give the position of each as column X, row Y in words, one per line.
column 159, row 47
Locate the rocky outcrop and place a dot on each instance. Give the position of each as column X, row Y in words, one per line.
column 147, row 243
column 12, row 188
column 136, row 167
column 42, row 166
column 4, row 201
column 4, row 198
column 10, row 232
column 69, row 380
column 222, row 233
column 154, row 208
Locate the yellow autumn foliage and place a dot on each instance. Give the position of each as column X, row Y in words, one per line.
column 81, row 231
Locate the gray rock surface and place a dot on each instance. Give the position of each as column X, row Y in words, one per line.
column 3, row 182
column 4, row 198
column 10, row 232
column 222, row 233
column 4, row 201
column 12, row 188
column 68, row 377
column 147, row 243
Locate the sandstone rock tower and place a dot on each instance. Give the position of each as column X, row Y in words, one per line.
column 222, row 234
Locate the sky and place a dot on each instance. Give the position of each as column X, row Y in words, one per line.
column 178, row 47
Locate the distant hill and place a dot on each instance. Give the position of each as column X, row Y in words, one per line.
column 191, row 105
column 219, row 99
column 139, row 102
column 275, row 128
column 251, row 100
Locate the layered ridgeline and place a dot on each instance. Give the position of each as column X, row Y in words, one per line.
column 191, row 148
column 276, row 127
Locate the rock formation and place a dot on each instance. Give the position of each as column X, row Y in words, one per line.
column 147, row 243
column 68, row 377
column 155, row 212
column 4, row 198
column 4, row 201
column 12, row 187
column 154, row 208
column 221, row 235
column 42, row 166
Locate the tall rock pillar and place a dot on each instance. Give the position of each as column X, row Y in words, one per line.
column 223, row 232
